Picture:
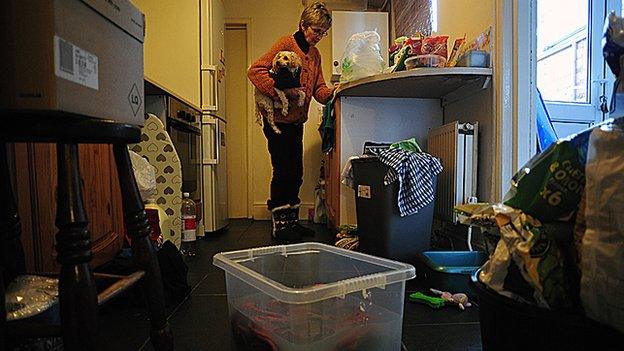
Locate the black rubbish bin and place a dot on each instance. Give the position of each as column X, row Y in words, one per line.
column 381, row 229
column 510, row 325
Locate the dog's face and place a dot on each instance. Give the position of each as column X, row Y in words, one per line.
column 286, row 59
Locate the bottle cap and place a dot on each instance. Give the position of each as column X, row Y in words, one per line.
column 185, row 195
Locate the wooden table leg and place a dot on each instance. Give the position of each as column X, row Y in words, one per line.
column 77, row 293
column 139, row 230
column 11, row 251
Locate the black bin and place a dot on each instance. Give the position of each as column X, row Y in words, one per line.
column 381, row 229
column 510, row 325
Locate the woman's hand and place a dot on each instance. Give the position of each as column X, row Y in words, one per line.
column 292, row 93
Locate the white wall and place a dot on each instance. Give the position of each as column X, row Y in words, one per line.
column 271, row 19
column 456, row 18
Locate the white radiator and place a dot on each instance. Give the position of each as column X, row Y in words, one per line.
column 456, row 146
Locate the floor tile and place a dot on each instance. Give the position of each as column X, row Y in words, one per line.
column 443, row 337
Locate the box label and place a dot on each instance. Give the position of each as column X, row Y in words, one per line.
column 364, row 191
column 75, row 64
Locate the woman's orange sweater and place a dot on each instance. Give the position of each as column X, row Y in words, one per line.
column 311, row 79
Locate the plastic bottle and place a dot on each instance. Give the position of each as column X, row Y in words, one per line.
column 189, row 226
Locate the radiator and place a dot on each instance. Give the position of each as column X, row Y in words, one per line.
column 456, row 146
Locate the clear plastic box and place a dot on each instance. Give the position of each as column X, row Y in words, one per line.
column 313, row 296
column 429, row 60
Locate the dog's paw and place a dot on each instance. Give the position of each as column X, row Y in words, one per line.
column 301, row 99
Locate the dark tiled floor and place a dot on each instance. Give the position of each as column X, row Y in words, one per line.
column 200, row 322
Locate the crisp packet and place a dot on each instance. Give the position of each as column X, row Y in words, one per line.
column 454, row 56
column 550, row 185
column 539, row 253
column 436, row 45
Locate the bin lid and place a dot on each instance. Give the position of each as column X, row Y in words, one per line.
column 327, row 272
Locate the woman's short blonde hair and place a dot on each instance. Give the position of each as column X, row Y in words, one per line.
column 316, row 14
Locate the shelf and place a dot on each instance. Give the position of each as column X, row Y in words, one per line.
column 425, row 83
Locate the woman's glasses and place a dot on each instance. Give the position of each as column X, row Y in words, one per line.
column 319, row 32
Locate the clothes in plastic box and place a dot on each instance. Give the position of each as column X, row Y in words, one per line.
column 313, row 296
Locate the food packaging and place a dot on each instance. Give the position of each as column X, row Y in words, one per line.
column 425, row 61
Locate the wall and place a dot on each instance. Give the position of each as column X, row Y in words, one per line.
column 456, row 17
column 170, row 62
column 270, row 20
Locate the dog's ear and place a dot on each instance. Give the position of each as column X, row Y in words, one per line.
column 274, row 65
column 296, row 60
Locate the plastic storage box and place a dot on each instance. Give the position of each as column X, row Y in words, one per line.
column 381, row 229
column 429, row 60
column 314, row 296
column 474, row 58
column 450, row 270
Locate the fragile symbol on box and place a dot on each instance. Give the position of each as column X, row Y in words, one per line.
column 135, row 99
column 364, row 191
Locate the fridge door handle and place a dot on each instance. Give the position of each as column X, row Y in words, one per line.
column 206, row 158
column 217, row 142
column 210, row 97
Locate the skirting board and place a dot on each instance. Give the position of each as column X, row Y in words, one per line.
column 260, row 212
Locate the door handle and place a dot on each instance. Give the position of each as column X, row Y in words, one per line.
column 209, row 103
column 212, row 124
column 217, row 139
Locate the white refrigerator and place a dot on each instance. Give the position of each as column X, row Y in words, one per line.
column 214, row 122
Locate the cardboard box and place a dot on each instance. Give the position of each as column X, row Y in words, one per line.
column 79, row 56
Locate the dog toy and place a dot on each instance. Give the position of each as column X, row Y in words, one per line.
column 461, row 300
column 431, row 301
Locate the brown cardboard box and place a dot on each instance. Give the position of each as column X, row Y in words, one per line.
column 79, row 56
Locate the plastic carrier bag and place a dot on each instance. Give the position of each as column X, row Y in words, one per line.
column 362, row 57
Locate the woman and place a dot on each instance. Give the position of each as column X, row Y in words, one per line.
column 286, row 149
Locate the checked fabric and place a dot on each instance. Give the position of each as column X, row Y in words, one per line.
column 416, row 173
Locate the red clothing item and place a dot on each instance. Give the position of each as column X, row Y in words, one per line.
column 311, row 79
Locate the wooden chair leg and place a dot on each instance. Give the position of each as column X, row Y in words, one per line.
column 12, row 262
column 77, row 293
column 11, row 251
column 2, row 312
column 139, row 230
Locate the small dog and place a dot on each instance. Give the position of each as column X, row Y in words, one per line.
column 285, row 72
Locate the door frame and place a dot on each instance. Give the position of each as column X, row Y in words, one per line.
column 514, row 82
column 247, row 23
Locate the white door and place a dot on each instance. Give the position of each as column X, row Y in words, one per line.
column 237, row 106
column 572, row 76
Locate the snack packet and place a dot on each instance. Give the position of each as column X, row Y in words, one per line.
column 550, row 185
column 435, row 46
column 454, row 56
column 530, row 263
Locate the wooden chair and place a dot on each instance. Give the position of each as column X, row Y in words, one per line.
column 77, row 291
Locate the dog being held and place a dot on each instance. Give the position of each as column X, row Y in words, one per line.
column 285, row 72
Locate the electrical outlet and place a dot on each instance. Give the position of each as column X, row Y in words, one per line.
column 364, row 191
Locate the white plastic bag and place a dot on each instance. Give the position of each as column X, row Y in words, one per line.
column 602, row 280
column 362, row 57
column 145, row 175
